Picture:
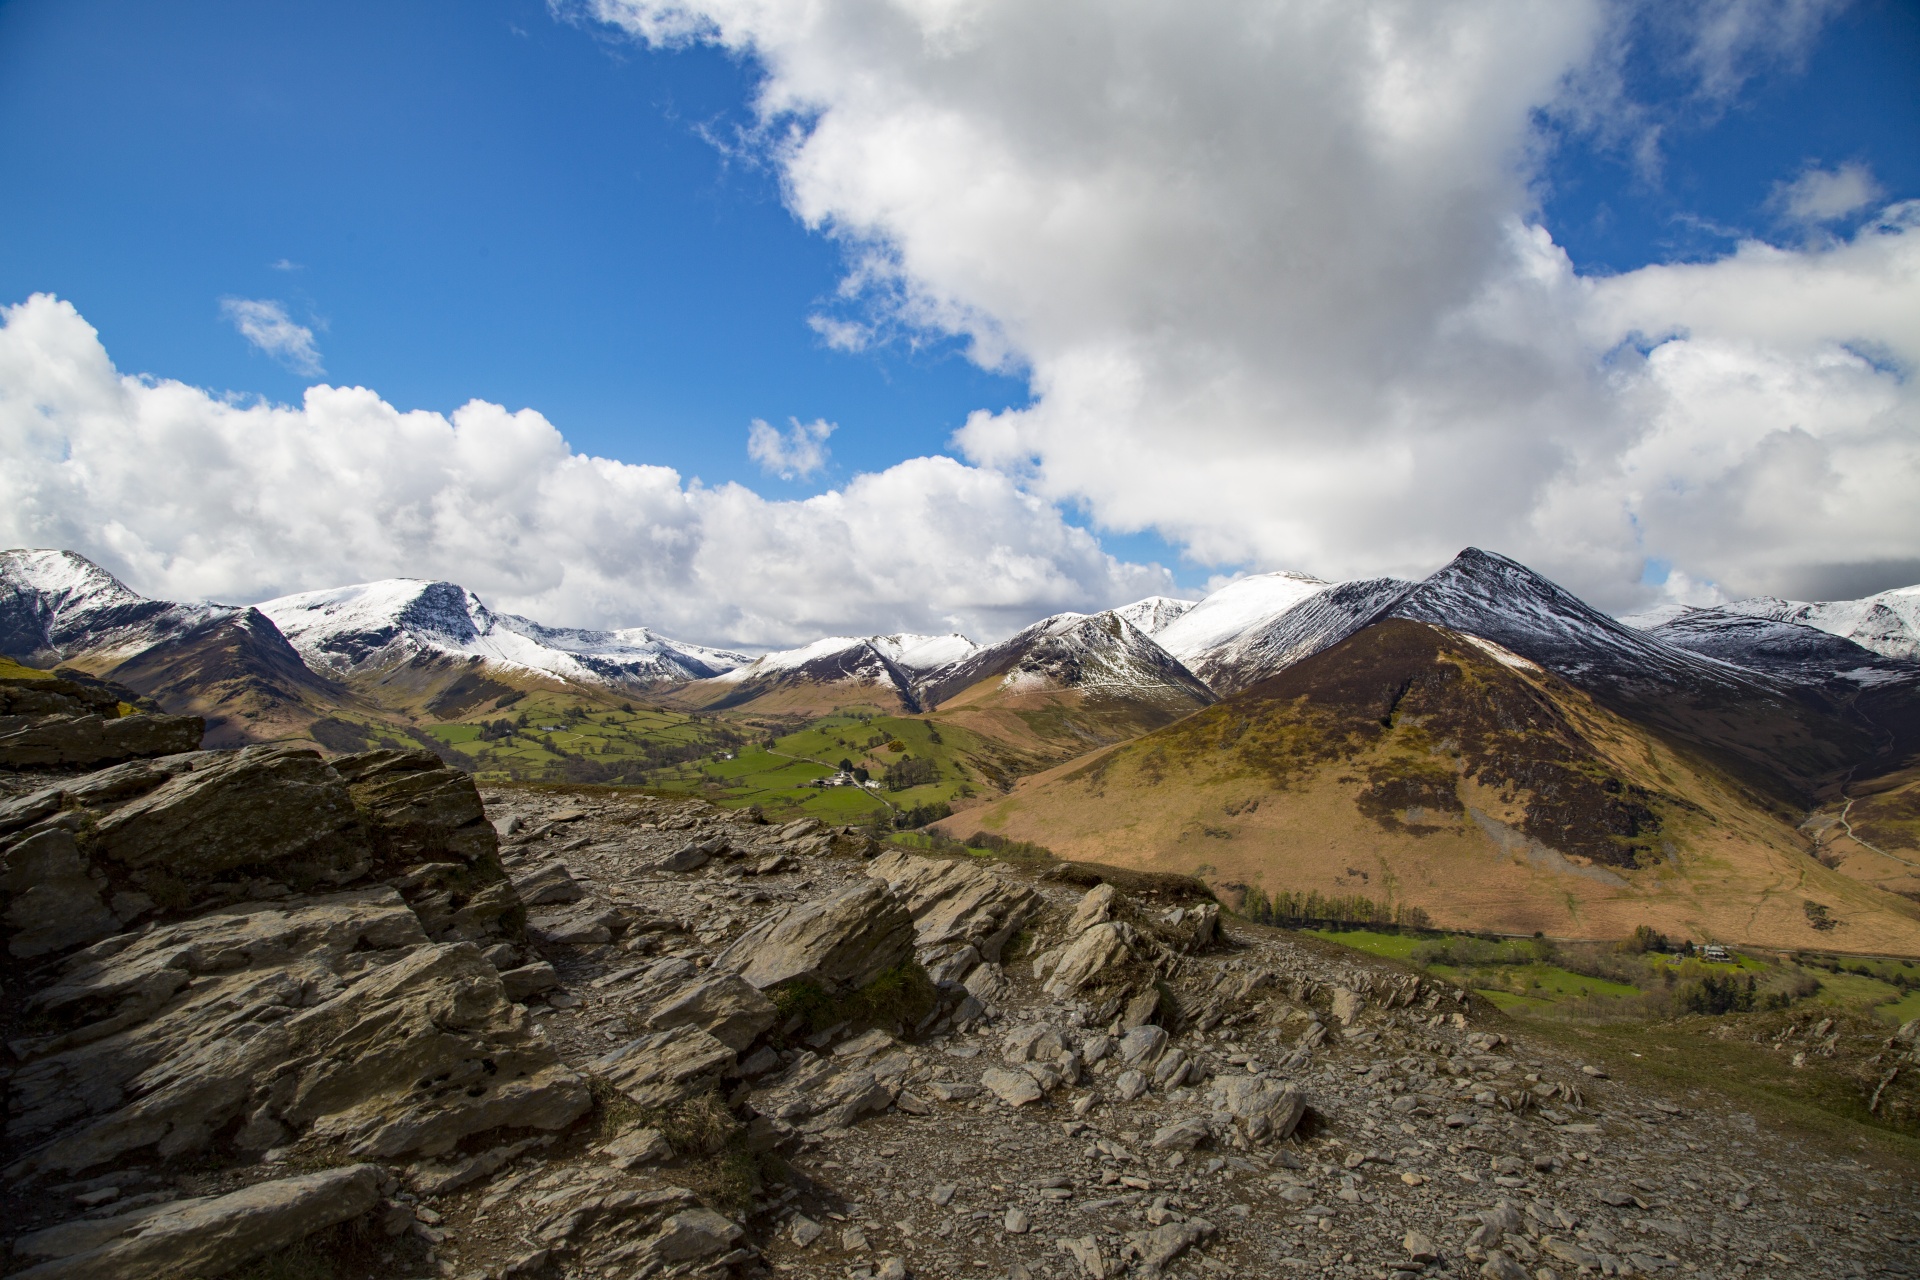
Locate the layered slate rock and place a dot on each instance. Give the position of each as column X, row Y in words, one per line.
column 56, row 722
column 176, row 832
column 665, row 1067
column 205, row 1235
column 333, row 1019
column 677, row 993
column 416, row 809
column 842, row 942
column 956, row 904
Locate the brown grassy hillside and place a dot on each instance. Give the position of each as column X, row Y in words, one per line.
column 1417, row 765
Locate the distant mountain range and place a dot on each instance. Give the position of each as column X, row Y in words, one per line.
column 1481, row 741
column 1788, row 695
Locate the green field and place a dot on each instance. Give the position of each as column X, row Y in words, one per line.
column 1534, row 977
column 555, row 737
column 560, row 737
column 919, row 764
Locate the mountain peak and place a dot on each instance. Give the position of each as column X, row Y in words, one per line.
column 391, row 620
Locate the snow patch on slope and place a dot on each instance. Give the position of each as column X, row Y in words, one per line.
column 1233, row 611
column 913, row 654
column 1154, row 614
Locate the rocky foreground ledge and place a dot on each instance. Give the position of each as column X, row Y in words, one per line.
column 264, row 1009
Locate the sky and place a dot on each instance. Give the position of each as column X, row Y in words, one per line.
column 752, row 322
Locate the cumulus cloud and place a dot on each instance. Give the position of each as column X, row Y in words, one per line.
column 189, row 495
column 798, row 453
column 1277, row 276
column 266, row 325
column 1826, row 195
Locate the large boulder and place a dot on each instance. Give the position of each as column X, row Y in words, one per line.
column 332, row 1018
column 1262, row 1109
column 957, row 903
column 1093, row 953
column 1095, row 907
column 191, row 829
column 842, row 942
column 203, row 1236
column 54, row 900
column 268, row 810
column 416, row 809
column 50, row 721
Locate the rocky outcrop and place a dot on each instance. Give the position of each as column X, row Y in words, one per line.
column 203, row 1236
column 334, row 1020
column 677, row 993
column 49, row 722
column 416, row 810
column 1158, row 1096
column 29, row 741
column 956, row 903
column 665, row 1067
column 842, row 942
column 1088, row 957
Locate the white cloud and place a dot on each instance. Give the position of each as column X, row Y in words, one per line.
column 189, row 495
column 266, row 325
column 799, row 453
column 1276, row 275
column 1826, row 195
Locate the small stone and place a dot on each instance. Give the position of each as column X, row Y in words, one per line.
column 1419, row 1247
column 943, row 1195
column 1130, row 1084
column 891, row 1269
column 853, row 1240
column 1499, row 1266
column 1181, row 1135
column 530, row 980
column 803, row 1230
column 1016, row 1222
column 1015, row 1088
column 637, row 1147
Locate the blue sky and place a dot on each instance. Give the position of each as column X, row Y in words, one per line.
column 481, row 200
column 476, row 200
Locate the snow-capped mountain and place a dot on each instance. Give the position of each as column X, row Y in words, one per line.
column 228, row 664
column 838, row 667
column 1156, row 613
column 1789, row 733
column 55, row 605
column 1488, row 595
column 1233, row 612
column 1789, row 650
column 1313, row 622
column 377, row 625
column 1887, row 623
column 1100, row 654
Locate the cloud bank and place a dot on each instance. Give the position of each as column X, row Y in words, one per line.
column 1277, row 276
column 192, row 496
